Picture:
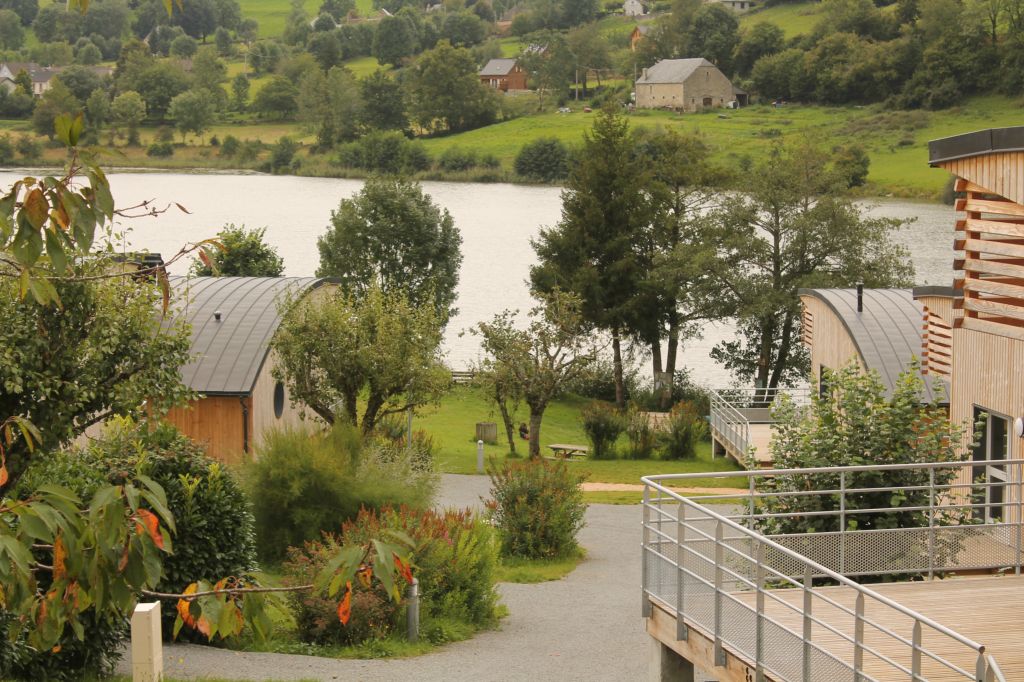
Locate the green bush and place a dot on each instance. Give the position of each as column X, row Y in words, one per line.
column 684, row 428
column 229, row 147
column 642, row 438
column 543, row 160
column 160, row 149
column 537, row 507
column 305, row 483
column 597, row 381
column 456, row 159
column 603, row 424
column 387, row 152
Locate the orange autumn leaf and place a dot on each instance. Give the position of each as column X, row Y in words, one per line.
column 123, row 563
column 55, row 650
column 3, row 475
column 204, row 626
column 345, row 607
column 183, row 606
column 403, row 568
column 60, row 554
column 151, row 527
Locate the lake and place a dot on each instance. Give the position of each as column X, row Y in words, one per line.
column 496, row 222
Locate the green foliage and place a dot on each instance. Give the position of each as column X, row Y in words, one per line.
column 545, row 159
column 537, row 508
column 192, row 112
column 55, row 102
column 384, row 152
column 855, row 424
column 282, row 155
column 456, row 159
column 643, row 439
column 160, row 150
column 127, row 110
column 683, row 431
column 244, row 252
column 383, row 104
column 393, row 236
column 603, row 424
column 277, row 99
column 304, row 483
column 445, row 94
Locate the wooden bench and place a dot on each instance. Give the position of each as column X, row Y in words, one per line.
column 568, row 451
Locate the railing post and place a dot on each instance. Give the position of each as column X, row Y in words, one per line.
column 719, row 558
column 681, row 631
column 751, row 491
column 808, row 623
column 1019, row 490
column 915, row 660
column 982, row 673
column 931, row 523
column 645, row 607
column 759, row 641
column 842, row 522
column 858, row 638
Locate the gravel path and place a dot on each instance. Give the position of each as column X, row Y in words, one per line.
column 584, row 627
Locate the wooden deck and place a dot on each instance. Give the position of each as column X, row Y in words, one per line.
column 760, row 438
column 988, row 610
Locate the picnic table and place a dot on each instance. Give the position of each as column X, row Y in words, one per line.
column 568, row 451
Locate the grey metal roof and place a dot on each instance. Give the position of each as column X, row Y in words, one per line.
column 941, row 292
column 498, row 67
column 228, row 353
column 673, row 70
column 887, row 334
column 973, row 144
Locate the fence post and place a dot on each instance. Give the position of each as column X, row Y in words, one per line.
column 682, row 633
column 759, row 641
column 808, row 623
column 719, row 557
column 842, row 522
column 645, row 606
column 915, row 660
column 412, row 612
column 931, row 523
column 858, row 638
column 147, row 646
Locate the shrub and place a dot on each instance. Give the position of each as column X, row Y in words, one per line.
column 6, row 150
column 162, row 149
column 543, row 160
column 456, row 159
column 164, row 134
column 230, row 146
column 306, row 483
column 387, row 152
column 603, row 424
column 683, row 430
column 597, row 381
column 282, row 154
column 642, row 438
column 28, row 148
column 537, row 508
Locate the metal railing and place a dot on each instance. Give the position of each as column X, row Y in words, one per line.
column 734, row 409
column 722, row 571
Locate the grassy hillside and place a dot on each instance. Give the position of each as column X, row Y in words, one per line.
column 794, row 19
column 272, row 14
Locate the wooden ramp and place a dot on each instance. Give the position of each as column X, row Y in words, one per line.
column 988, row 610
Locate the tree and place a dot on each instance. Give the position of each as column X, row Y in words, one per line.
column 56, row 101
column 12, row 35
column 383, row 103
column 198, row 18
column 330, row 104
column 394, row 40
column 543, row 160
column 88, row 54
column 277, row 99
column 792, row 227
column 337, row 9
column 25, row 9
column 590, row 53
column 159, row 84
column 97, row 109
column 222, row 39
column 244, row 253
column 605, row 211
column 463, row 29
column 857, row 424
column 80, row 80
column 337, row 351
column 240, row 91
column 23, row 81
column 760, row 40
column 542, row 359
column 714, row 35
column 550, row 69
column 127, row 111
column 208, row 73
column 445, row 93
column 326, row 49
column 183, row 47
column 192, row 112
column 393, row 237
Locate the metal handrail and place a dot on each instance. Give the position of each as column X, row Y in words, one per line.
column 693, row 561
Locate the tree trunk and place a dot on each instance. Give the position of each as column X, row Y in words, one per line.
column 665, row 402
column 620, row 389
column 764, row 360
column 536, row 414
column 784, row 349
column 373, row 405
column 507, row 419
column 655, row 358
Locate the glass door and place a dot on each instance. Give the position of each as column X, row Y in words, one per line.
column 990, row 455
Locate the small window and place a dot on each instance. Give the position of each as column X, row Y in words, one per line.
column 278, row 399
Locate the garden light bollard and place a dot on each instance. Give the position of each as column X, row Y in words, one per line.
column 412, row 614
column 479, row 456
column 147, row 649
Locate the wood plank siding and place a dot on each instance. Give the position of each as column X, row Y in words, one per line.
column 831, row 345
column 217, row 423
column 1000, row 173
column 264, row 413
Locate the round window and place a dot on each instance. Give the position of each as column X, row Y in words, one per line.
column 278, row 399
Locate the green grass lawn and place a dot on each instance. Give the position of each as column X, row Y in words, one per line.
column 273, row 14
column 452, row 426
column 365, row 66
column 793, row 18
column 529, row 571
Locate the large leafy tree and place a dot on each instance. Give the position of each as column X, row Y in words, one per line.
column 336, row 351
column 537, row 363
column 383, row 103
column 192, row 112
column 393, row 237
column 330, row 104
column 445, row 93
column 591, row 251
column 243, row 253
column 792, row 227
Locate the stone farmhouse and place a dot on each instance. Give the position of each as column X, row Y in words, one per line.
column 41, row 76
column 634, row 8
column 685, row 85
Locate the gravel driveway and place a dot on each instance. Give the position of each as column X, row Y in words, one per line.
column 584, row 627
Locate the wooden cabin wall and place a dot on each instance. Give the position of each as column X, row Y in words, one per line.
column 940, row 305
column 263, row 417
column 1001, row 173
column 831, row 344
column 216, row 422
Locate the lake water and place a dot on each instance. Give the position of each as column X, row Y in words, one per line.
column 496, row 222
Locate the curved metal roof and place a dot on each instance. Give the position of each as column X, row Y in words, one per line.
column 887, row 333
column 228, row 353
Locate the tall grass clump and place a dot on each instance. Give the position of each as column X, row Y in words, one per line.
column 304, row 482
column 683, row 431
column 643, row 439
column 603, row 425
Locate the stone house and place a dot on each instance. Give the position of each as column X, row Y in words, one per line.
column 503, row 75
column 634, row 8
column 683, row 85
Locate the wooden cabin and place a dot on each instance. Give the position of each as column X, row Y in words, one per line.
column 233, row 320
column 879, row 329
column 986, row 330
